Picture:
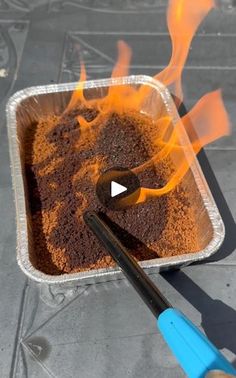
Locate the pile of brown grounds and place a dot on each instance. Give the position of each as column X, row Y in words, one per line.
column 62, row 164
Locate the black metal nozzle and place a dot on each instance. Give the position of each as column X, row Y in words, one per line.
column 134, row 273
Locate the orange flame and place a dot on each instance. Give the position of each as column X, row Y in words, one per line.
column 201, row 126
column 183, row 19
column 206, row 122
column 78, row 94
column 121, row 68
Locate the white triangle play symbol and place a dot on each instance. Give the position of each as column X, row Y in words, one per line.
column 117, row 188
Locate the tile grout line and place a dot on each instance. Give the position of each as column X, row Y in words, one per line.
column 147, row 33
column 19, row 330
column 230, row 149
column 221, row 264
column 54, row 315
column 41, row 364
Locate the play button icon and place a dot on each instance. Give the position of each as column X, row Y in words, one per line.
column 115, row 185
column 117, row 189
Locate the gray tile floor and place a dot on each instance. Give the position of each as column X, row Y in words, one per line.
column 104, row 330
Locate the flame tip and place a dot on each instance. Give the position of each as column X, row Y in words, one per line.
column 206, row 121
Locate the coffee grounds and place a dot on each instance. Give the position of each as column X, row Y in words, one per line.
column 62, row 164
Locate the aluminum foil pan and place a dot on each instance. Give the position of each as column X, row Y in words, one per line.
column 27, row 105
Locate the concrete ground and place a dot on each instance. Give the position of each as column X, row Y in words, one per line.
column 105, row 330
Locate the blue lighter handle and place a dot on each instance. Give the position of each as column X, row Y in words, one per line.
column 194, row 352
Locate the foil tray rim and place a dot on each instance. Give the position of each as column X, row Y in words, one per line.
column 105, row 274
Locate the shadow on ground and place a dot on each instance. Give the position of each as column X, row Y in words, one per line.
column 229, row 244
column 218, row 319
